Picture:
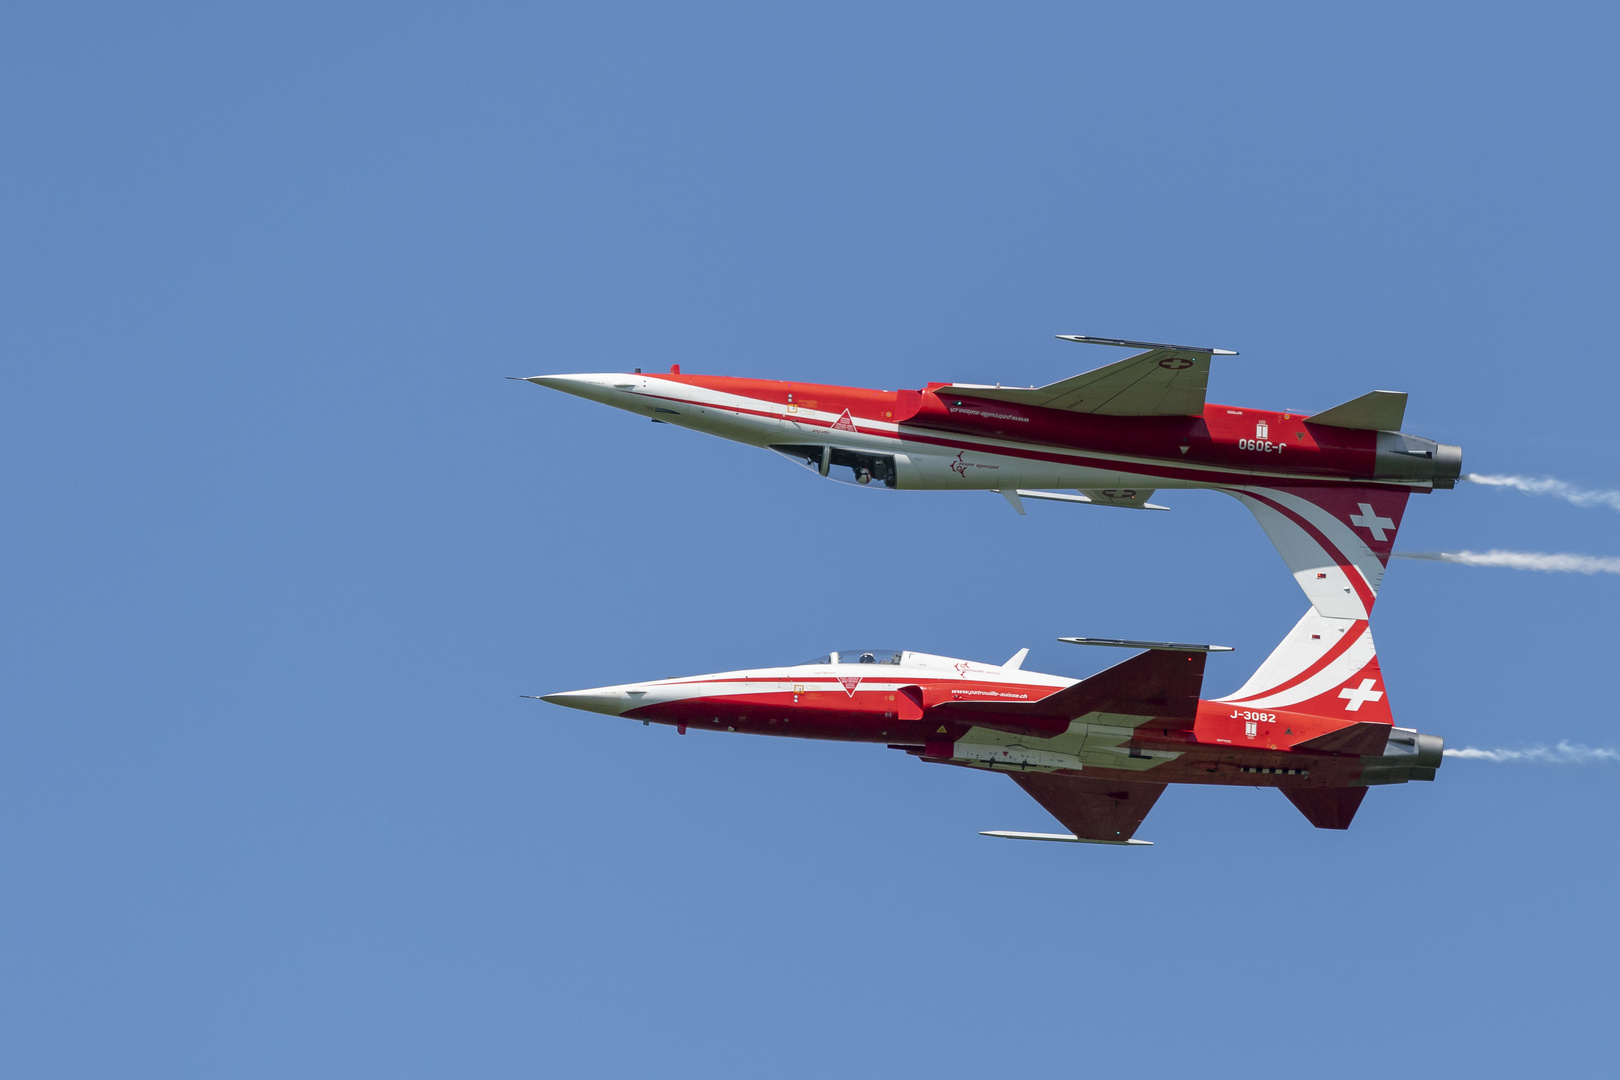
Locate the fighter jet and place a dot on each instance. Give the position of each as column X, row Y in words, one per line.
column 1314, row 722
column 1329, row 488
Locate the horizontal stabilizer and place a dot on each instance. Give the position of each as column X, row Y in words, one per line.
column 1095, row 810
column 1381, row 410
column 1327, row 808
column 1358, row 739
column 1065, row 838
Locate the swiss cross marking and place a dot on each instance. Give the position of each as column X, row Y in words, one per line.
column 1368, row 519
column 1357, row 696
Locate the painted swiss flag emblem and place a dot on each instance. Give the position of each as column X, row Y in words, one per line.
column 849, row 683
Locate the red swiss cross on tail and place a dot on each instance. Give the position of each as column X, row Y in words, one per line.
column 1325, row 667
column 1357, row 696
column 1335, row 540
column 1370, row 520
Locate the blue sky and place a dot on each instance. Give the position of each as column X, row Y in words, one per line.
column 284, row 548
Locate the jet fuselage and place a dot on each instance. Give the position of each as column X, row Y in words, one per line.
column 944, row 437
column 912, row 701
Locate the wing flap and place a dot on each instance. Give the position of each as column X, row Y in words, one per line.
column 1110, row 810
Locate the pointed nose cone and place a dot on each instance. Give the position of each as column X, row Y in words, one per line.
column 565, row 383
column 609, row 700
column 608, row 388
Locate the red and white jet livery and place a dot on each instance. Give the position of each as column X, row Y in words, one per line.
column 1313, row 721
column 1329, row 488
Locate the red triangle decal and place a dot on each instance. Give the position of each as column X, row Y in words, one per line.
column 844, row 423
column 850, row 683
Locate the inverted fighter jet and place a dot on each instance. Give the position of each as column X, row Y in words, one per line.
column 1313, row 722
column 1329, row 488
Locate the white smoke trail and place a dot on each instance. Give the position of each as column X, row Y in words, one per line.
column 1523, row 560
column 1548, row 486
column 1565, row 753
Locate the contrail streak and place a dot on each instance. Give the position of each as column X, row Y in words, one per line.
column 1565, row 753
column 1523, row 560
column 1548, row 486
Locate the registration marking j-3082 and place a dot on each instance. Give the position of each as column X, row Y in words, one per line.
column 1248, row 715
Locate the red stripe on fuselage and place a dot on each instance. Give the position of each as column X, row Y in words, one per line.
column 1211, row 475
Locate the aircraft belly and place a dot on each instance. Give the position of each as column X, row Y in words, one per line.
column 729, row 424
column 1084, row 746
column 979, row 470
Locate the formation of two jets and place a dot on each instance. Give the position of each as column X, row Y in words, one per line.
column 1329, row 489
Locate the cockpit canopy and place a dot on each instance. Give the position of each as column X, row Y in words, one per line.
column 858, row 656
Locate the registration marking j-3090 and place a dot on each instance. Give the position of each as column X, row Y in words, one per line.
column 1265, row 446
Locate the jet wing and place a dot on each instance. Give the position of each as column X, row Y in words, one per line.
column 1160, row 683
column 1166, row 380
column 1107, row 810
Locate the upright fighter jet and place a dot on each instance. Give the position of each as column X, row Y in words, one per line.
column 1314, row 722
column 1329, row 488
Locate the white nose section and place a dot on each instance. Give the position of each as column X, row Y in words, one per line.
column 609, row 700
column 609, row 389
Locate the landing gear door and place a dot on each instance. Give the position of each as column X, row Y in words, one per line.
column 833, row 460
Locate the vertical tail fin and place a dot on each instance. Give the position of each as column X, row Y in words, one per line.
column 1328, row 668
column 1335, row 540
column 1324, row 667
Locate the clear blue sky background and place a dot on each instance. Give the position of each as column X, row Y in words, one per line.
column 283, row 548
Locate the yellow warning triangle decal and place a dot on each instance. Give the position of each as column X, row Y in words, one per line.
column 941, row 729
